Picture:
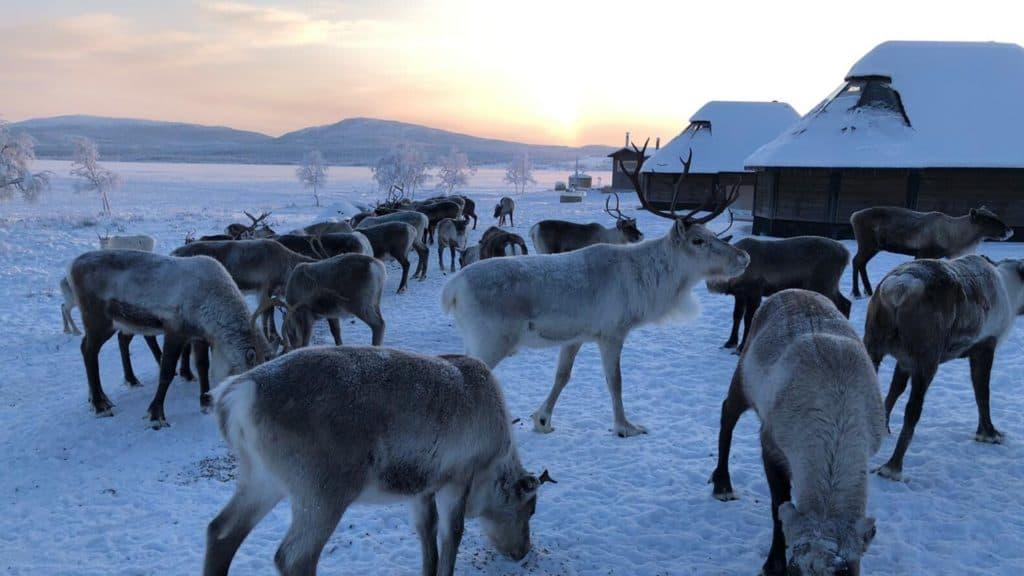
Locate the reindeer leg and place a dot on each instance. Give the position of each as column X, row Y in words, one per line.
column 611, row 353
column 857, row 263
column 922, row 378
column 864, row 256
column 91, row 343
column 373, row 318
column 734, row 405
column 403, row 260
column 335, row 327
column 154, row 347
column 440, row 257
column 185, row 368
column 202, row 350
column 424, row 512
column 900, row 377
column 313, row 522
column 981, row 372
column 123, row 343
column 737, row 316
column 251, row 502
column 780, row 487
column 173, row 344
column 451, row 504
column 753, row 302
column 566, row 358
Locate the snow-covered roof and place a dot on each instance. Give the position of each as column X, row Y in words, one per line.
column 736, row 129
column 964, row 102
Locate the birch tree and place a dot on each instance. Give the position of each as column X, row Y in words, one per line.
column 519, row 172
column 454, row 171
column 313, row 173
column 403, row 166
column 93, row 177
column 17, row 152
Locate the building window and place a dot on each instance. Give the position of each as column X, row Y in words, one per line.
column 872, row 92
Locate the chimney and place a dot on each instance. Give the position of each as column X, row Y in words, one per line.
column 657, row 143
column 627, row 139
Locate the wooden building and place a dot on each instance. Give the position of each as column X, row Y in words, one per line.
column 925, row 125
column 721, row 136
column 629, row 158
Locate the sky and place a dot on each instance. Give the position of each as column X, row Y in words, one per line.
column 538, row 71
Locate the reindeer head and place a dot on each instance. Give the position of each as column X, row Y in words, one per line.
column 709, row 252
column 505, row 500
column 990, row 225
column 623, row 223
column 829, row 547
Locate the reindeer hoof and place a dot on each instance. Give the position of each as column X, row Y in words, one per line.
column 205, row 403
column 107, row 412
column 627, row 429
column 991, row 437
column 187, row 375
column 542, row 423
column 889, row 473
column 156, row 417
column 132, row 382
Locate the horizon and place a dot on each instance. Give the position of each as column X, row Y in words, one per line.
column 569, row 74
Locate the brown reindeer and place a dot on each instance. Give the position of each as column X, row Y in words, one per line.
column 557, row 236
column 919, row 234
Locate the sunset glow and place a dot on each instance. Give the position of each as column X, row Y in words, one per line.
column 552, row 72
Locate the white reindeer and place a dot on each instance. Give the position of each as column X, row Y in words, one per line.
column 597, row 294
column 330, row 427
column 807, row 375
column 138, row 242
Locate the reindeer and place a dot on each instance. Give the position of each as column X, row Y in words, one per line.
column 392, row 241
column 326, row 245
column 257, row 229
column 557, row 236
column 416, row 220
column 138, row 242
column 810, row 380
column 329, row 427
column 505, row 207
column 451, row 234
column 919, row 234
column 808, row 262
column 340, row 286
column 597, row 294
column 181, row 298
column 928, row 312
column 435, row 213
column 321, row 228
column 494, row 243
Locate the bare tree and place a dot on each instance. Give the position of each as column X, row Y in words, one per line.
column 520, row 172
column 313, row 173
column 16, row 156
column 454, row 171
column 94, row 177
column 404, row 166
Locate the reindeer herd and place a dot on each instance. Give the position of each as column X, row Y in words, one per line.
column 329, row 427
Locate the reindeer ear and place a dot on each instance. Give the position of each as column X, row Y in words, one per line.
column 526, row 485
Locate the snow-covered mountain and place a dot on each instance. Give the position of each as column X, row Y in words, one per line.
column 354, row 141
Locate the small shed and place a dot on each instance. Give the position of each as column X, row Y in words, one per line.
column 931, row 126
column 629, row 158
column 721, row 135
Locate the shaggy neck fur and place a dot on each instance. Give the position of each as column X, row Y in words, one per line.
column 662, row 291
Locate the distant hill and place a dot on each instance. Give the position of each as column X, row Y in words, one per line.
column 354, row 141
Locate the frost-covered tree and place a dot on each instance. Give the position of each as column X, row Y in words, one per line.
column 16, row 156
column 405, row 166
column 94, row 178
column 519, row 172
column 454, row 171
column 313, row 173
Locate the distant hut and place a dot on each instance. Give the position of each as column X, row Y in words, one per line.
column 925, row 125
column 721, row 136
column 628, row 157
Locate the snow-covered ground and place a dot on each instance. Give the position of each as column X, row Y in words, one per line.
column 81, row 495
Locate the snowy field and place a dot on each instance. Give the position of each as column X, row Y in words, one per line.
column 81, row 495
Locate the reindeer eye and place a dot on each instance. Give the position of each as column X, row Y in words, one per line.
column 698, row 241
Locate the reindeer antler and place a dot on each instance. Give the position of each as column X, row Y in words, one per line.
column 614, row 212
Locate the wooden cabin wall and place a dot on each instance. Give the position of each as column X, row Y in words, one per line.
column 859, row 189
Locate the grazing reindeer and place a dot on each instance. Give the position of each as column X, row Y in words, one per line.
column 469, row 209
column 919, row 234
column 414, row 219
column 435, row 213
column 928, row 312
column 557, row 236
column 181, row 298
column 808, row 262
column 326, row 245
column 451, row 234
column 810, row 380
column 505, row 207
column 597, row 294
column 350, row 284
column 138, row 242
column 257, row 229
column 392, row 241
column 329, row 427
column 327, row 228
column 494, row 243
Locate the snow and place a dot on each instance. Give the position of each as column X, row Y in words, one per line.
column 88, row 496
column 962, row 99
column 737, row 129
